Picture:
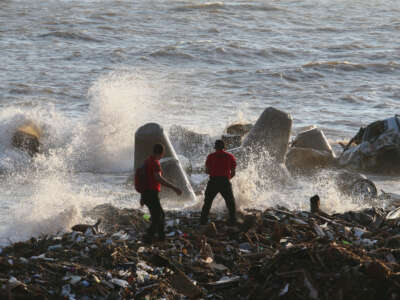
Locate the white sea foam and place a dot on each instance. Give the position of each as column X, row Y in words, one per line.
column 263, row 184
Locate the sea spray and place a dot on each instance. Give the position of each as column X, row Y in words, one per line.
column 262, row 184
column 54, row 189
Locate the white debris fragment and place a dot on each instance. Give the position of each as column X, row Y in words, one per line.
column 121, row 235
column 120, row 282
column 54, row 247
column 284, row 290
column 319, row 230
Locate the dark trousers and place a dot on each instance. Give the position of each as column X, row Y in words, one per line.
column 152, row 201
column 214, row 186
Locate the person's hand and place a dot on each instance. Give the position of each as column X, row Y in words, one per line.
column 178, row 191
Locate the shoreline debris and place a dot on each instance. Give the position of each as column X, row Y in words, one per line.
column 270, row 254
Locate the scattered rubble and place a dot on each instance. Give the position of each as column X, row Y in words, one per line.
column 270, row 254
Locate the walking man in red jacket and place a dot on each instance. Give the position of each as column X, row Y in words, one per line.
column 221, row 167
column 150, row 197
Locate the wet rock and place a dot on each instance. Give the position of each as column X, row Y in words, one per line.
column 186, row 164
column 27, row 138
column 271, row 132
column 303, row 159
column 240, row 129
column 188, row 142
column 313, row 139
column 310, row 150
column 231, row 141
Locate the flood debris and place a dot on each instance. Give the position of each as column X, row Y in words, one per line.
column 85, row 227
column 356, row 185
column 270, row 254
column 375, row 148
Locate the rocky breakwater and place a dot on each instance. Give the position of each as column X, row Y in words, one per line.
column 270, row 254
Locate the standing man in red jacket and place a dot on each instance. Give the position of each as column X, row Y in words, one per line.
column 150, row 197
column 221, row 167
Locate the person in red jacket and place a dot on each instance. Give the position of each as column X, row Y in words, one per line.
column 221, row 167
column 150, row 197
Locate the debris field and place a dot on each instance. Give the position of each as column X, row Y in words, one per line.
column 271, row 254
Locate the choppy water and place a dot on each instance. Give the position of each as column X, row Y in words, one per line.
column 91, row 72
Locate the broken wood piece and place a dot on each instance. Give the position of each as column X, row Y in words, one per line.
column 85, row 227
column 225, row 282
column 184, row 285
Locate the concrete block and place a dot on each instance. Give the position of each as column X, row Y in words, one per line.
column 303, row 159
column 271, row 132
column 313, row 139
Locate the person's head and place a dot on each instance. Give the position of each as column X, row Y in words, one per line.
column 219, row 145
column 158, row 150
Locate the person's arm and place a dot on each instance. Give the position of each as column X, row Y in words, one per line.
column 233, row 173
column 166, row 183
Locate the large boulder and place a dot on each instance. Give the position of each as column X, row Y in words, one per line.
column 313, row 139
column 305, row 159
column 27, row 138
column 266, row 145
column 231, row 141
column 240, row 129
column 271, row 132
column 310, row 150
column 234, row 133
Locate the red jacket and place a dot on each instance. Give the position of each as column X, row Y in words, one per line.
column 220, row 163
column 153, row 165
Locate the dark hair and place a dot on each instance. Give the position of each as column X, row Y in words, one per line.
column 219, row 145
column 158, row 149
